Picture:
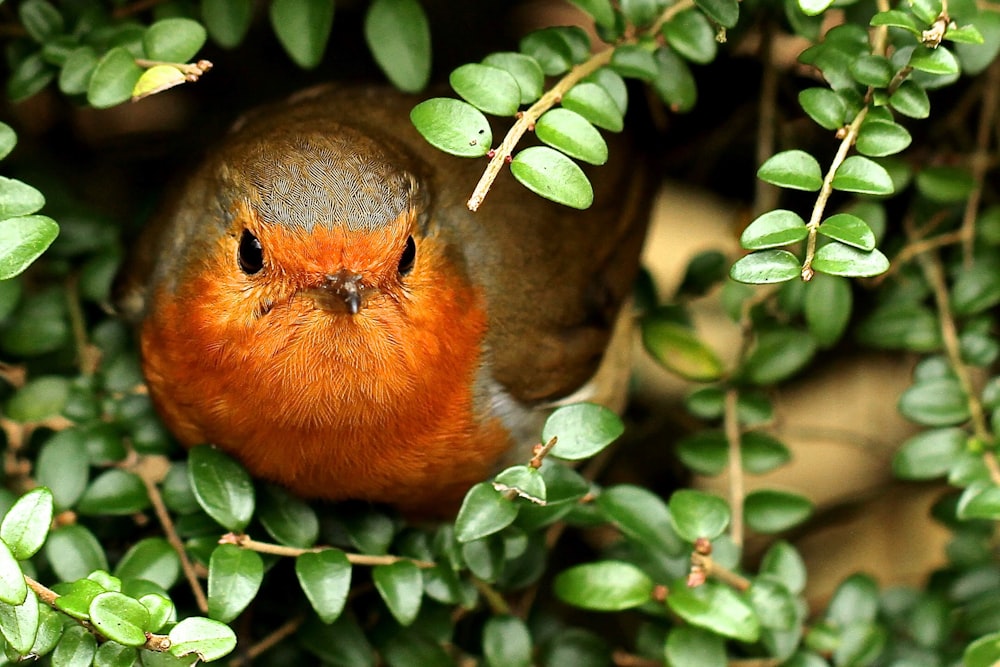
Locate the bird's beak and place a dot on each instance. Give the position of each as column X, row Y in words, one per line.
column 341, row 292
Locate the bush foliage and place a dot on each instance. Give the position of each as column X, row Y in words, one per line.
column 117, row 548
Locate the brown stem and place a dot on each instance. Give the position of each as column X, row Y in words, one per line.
column 980, row 160
column 766, row 195
column 737, row 491
column 283, row 631
column 716, row 571
column 246, row 542
column 911, row 250
column 497, row 604
column 88, row 356
column 541, row 452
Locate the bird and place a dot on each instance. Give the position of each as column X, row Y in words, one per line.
column 317, row 301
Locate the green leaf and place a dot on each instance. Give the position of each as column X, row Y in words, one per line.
column 975, row 58
column 694, row 646
column 113, row 654
column 570, row 133
column 402, row 588
column 550, row 174
column 487, row 88
column 227, row 21
column 12, row 587
column 766, row 266
column 22, row 240
column 209, row 640
column 19, row 623
column 981, row 500
column 114, row 492
column 642, row 516
column 976, row 289
column 39, row 399
column 599, row 10
column 120, row 618
column 854, row 601
column 901, row 326
column 768, row 511
column 303, row 28
column 639, row 12
column 287, row 519
column 761, row 453
column 633, row 61
column 26, row 524
column 838, row 259
column 113, row 79
column 604, row 586
column 910, row 99
column 596, row 104
column 875, row 71
column 696, row 514
column 945, row 185
column 76, row 648
column 156, row 80
column 484, row 511
column 983, row 652
column 774, row 229
column 792, row 169
column 507, row 642
column 859, row 174
column 691, row 35
column 151, row 559
column 934, row 61
column 74, row 76
column 234, row 577
column 774, row 605
column 897, row 19
column 30, row 76
column 966, row 34
column 783, row 563
column 41, row 20
column 613, row 83
column 74, row 552
column 582, row 429
column 679, row 349
column 325, row 577
column 527, row 481
column 174, row 40
column 716, row 608
column 453, row 126
column 525, row 70
column 8, row 139
column 929, row 454
column 778, row 355
column 827, row 308
column 935, row 402
column 399, row 37
column 849, row 229
column 674, row 82
column 878, row 138
column 221, row 485
column 824, row 106
column 18, row 198
column 723, row 12
column 549, row 49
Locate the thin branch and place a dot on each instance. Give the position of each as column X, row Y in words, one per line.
column 765, row 196
column 716, row 571
column 497, row 604
column 736, row 487
column 88, row 356
column 246, row 542
column 283, row 631
column 980, row 160
column 911, row 250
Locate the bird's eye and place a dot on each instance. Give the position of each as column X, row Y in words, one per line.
column 408, row 257
column 251, row 255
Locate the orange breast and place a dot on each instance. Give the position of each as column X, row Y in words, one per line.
column 379, row 405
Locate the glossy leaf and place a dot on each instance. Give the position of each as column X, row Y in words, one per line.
column 604, row 586
column 594, row 103
column 113, row 79
column 151, row 559
column 174, row 40
column 613, row 83
column 859, row 174
column 875, row 71
column 489, row 89
column 674, row 82
column 399, row 38
column 599, row 10
column 691, row 35
column 227, row 21
column 639, row 12
column 74, row 552
column 723, row 12
column 935, row 402
column 934, row 61
column 325, row 577
column 156, row 80
column 572, row 134
column 880, row 138
column 679, row 349
column 507, row 642
column 784, row 563
column 582, row 429
column 453, row 126
column 976, row 289
column 766, row 266
column 774, row 229
column 8, row 139
column 303, row 28
column 484, row 511
column 792, row 169
column 910, row 99
column 41, row 20
column 641, row 515
column 896, row 18
column 119, row 618
column 22, row 240
column 209, row 640
column 549, row 50
column 222, row 487
column 74, row 75
column 838, row 259
column 778, row 355
column 855, row 600
column 287, row 519
column 19, row 624
column 768, row 511
column 983, row 652
column 402, row 588
column 76, row 648
column 26, row 524
column 827, row 308
column 114, row 492
column 550, row 174
column 824, row 106
column 697, row 514
column 18, row 198
column 633, row 61
column 694, row 646
column 525, row 70
column 929, row 454
column 234, row 577
column 12, row 587
column 113, row 654
column 849, row 229
column 717, row 608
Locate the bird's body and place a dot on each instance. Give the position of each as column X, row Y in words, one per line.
column 318, row 302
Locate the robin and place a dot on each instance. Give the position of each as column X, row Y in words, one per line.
column 318, row 302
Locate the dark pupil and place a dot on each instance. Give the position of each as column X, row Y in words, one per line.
column 251, row 253
column 409, row 254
